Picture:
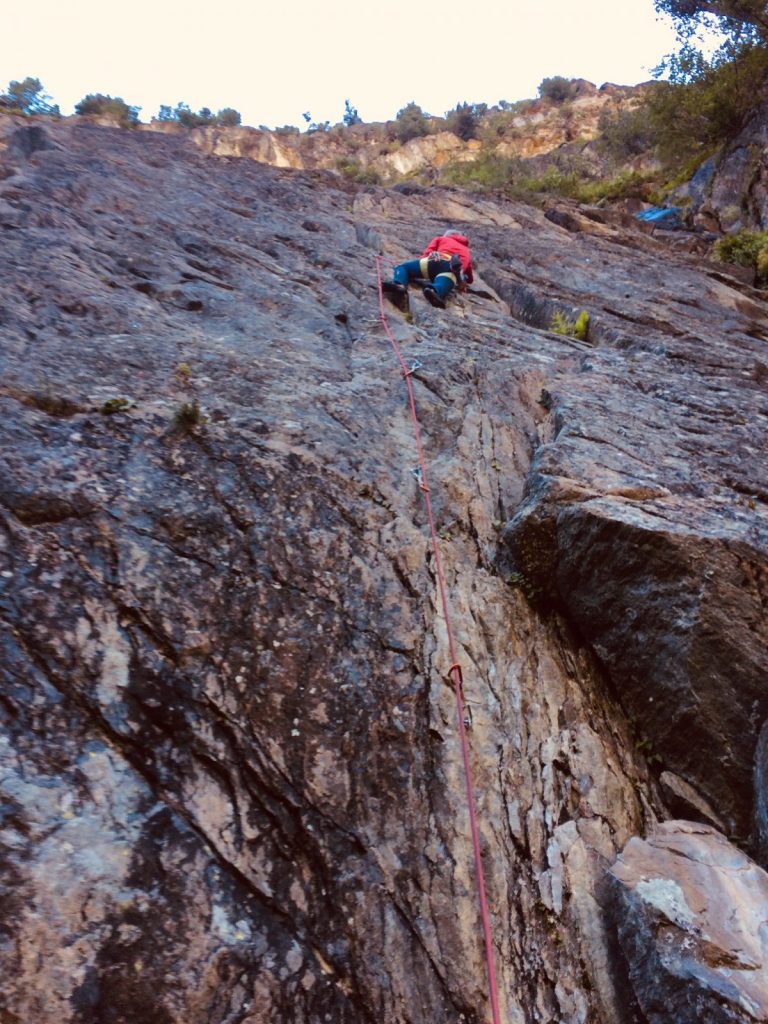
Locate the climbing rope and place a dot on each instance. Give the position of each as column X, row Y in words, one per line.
column 455, row 669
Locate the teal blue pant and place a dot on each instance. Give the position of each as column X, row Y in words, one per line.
column 438, row 272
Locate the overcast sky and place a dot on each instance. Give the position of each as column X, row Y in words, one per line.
column 274, row 59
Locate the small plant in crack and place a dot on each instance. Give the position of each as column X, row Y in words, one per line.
column 519, row 581
column 47, row 399
column 642, row 743
column 645, row 747
column 188, row 416
column 114, row 405
column 445, row 532
column 578, row 328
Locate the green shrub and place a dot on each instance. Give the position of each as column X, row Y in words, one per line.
column 578, row 328
column 355, row 172
column 627, row 185
column 489, row 171
column 113, row 405
column 516, row 108
column 464, row 119
column 188, row 416
column 627, row 134
column 557, row 89
column 747, row 249
column 187, row 118
column 694, row 116
column 500, row 123
column 568, row 177
column 581, row 326
column 228, row 118
column 109, row 106
column 368, row 176
column 411, row 123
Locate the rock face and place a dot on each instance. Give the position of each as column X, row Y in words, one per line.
column 540, row 127
column 230, row 779
column 729, row 191
column 692, row 916
column 643, row 532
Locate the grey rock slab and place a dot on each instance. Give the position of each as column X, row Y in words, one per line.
column 215, row 573
column 692, row 915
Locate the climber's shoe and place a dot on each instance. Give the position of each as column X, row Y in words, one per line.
column 394, row 287
column 396, row 293
column 433, row 298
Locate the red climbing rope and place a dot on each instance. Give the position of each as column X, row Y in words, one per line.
column 455, row 669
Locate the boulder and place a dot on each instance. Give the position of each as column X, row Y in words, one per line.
column 691, row 912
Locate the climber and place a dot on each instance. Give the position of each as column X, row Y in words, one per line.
column 445, row 263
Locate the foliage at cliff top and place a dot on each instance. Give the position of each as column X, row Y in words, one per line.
column 557, row 89
column 742, row 22
column 181, row 114
column 747, row 249
column 109, row 106
column 27, row 97
column 411, row 123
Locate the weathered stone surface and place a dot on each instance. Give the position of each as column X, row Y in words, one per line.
column 644, row 517
column 692, row 914
column 541, row 127
column 729, row 191
column 681, row 798
column 231, row 780
column 761, row 794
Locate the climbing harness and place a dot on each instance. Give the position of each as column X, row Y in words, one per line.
column 430, row 267
column 454, row 672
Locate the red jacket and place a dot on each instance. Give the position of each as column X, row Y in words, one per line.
column 453, row 244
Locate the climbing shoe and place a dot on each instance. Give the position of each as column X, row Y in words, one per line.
column 433, row 298
column 396, row 293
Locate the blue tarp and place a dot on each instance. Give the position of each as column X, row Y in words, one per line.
column 667, row 217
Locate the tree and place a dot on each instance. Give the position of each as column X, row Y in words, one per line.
column 228, row 118
column 744, row 21
column 109, row 106
column 411, row 123
column 28, row 98
column 709, row 108
column 711, row 97
column 463, row 119
column 315, row 126
column 351, row 115
column 187, row 118
column 557, row 89
column 742, row 25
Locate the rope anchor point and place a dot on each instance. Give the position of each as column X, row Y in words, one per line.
column 419, row 474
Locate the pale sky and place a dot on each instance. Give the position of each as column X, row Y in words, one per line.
column 274, row 59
